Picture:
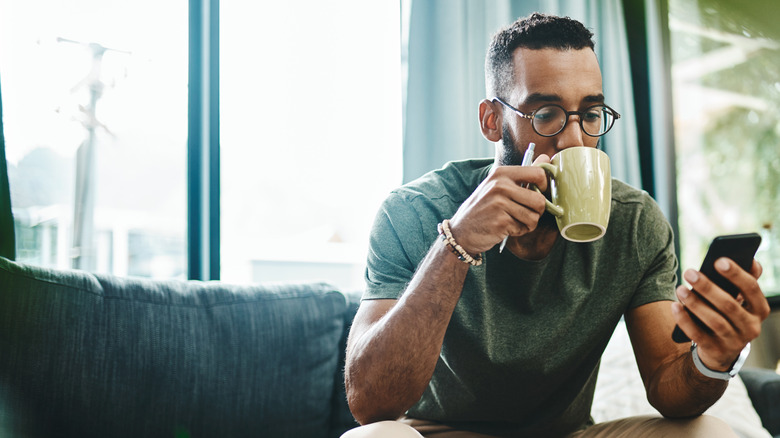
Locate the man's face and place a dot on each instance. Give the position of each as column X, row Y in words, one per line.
column 570, row 78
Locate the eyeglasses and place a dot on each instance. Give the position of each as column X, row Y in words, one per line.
column 549, row 120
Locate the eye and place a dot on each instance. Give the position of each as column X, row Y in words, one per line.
column 593, row 114
column 547, row 114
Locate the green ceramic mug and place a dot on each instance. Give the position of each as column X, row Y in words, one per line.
column 581, row 192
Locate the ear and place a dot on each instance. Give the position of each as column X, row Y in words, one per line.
column 490, row 120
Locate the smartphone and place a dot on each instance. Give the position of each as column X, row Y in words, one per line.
column 741, row 248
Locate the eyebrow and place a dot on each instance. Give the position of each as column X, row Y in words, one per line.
column 541, row 97
column 595, row 98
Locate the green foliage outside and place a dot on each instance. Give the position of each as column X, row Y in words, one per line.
column 728, row 159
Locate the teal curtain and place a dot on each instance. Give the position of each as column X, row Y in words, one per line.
column 7, row 240
column 447, row 42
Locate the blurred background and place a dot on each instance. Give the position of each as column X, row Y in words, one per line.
column 254, row 141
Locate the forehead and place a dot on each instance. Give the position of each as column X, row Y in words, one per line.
column 570, row 74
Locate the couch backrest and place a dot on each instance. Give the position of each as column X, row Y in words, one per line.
column 95, row 355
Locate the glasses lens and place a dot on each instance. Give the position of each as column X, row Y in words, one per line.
column 597, row 120
column 549, row 119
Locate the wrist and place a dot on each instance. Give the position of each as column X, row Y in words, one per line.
column 445, row 234
column 716, row 374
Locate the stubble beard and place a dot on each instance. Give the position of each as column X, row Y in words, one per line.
column 511, row 155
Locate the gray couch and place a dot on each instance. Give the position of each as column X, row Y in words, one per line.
column 90, row 355
column 763, row 386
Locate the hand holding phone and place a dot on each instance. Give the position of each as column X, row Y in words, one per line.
column 741, row 248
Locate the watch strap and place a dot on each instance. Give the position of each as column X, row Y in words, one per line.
column 721, row 375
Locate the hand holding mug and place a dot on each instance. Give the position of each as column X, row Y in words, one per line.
column 580, row 183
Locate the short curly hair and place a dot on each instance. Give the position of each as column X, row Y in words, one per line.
column 537, row 31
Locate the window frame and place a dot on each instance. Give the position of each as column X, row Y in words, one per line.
column 203, row 164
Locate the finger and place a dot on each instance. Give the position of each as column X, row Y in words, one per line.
column 542, row 158
column 710, row 292
column 686, row 323
column 756, row 269
column 500, row 207
column 542, row 185
column 508, row 185
column 747, row 283
column 713, row 351
column 520, row 176
column 722, row 314
column 531, row 175
column 525, row 210
column 710, row 304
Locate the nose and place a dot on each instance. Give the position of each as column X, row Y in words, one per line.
column 571, row 135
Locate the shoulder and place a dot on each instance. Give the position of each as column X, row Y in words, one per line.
column 630, row 203
column 637, row 218
column 448, row 186
column 640, row 242
column 405, row 225
column 627, row 194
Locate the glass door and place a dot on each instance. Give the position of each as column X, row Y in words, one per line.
column 95, row 120
column 310, row 110
column 726, row 85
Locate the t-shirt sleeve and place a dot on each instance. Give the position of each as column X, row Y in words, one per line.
column 397, row 244
column 656, row 254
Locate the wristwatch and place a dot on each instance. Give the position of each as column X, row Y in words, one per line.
column 722, row 375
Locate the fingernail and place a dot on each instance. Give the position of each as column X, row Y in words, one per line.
column 722, row 264
column 676, row 308
column 691, row 276
column 683, row 292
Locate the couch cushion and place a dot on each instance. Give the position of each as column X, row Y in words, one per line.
column 764, row 388
column 96, row 355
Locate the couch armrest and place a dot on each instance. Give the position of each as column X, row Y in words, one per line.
column 763, row 386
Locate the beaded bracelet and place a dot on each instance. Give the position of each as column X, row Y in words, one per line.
column 446, row 235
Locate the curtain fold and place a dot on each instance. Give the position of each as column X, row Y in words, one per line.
column 447, row 43
column 7, row 238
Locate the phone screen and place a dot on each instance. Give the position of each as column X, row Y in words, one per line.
column 741, row 248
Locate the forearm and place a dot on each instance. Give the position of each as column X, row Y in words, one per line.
column 389, row 366
column 679, row 390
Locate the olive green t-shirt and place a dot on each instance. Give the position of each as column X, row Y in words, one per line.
column 521, row 353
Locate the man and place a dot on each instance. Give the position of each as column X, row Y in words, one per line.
column 456, row 338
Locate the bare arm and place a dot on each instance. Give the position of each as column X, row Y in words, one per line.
column 674, row 386
column 394, row 345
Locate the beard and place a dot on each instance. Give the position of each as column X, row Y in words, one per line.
column 511, row 155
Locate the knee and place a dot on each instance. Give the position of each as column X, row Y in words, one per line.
column 383, row 429
column 706, row 426
column 715, row 426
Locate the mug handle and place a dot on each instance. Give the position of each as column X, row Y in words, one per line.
column 551, row 208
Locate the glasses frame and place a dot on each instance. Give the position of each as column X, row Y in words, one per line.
column 531, row 116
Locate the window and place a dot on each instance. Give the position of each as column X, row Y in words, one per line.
column 310, row 134
column 95, row 121
column 726, row 84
